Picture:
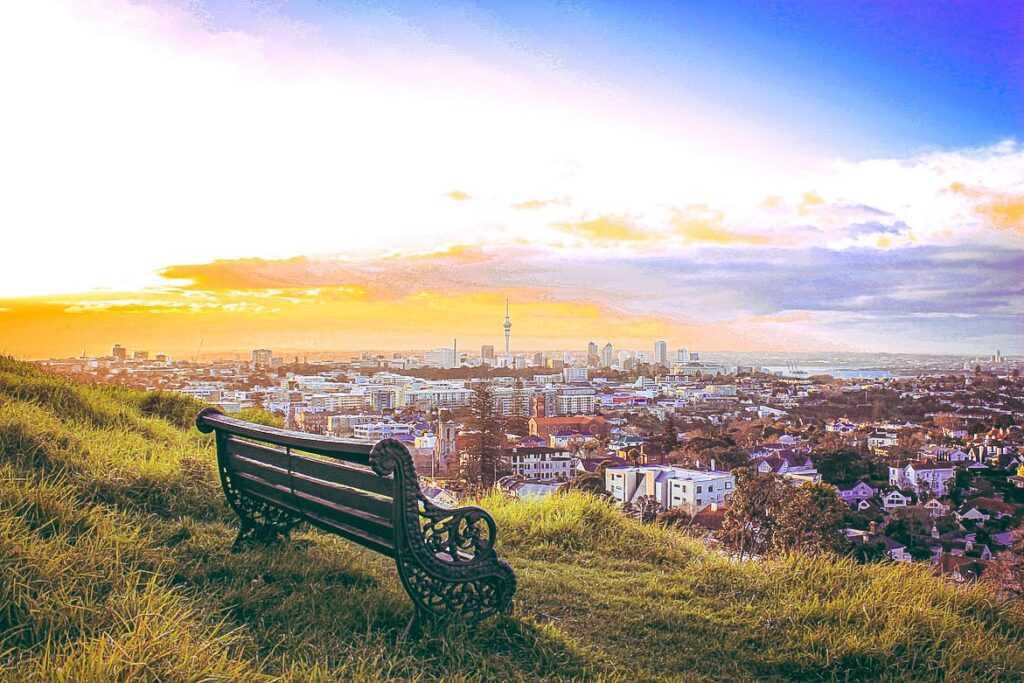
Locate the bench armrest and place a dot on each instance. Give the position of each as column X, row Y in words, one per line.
column 461, row 536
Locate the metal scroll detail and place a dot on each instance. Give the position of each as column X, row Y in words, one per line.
column 261, row 522
column 445, row 558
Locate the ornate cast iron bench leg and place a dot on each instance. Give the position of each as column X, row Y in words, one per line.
column 445, row 557
column 259, row 522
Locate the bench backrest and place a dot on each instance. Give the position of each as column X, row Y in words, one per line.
column 325, row 481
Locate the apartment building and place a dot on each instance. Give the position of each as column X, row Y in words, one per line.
column 671, row 487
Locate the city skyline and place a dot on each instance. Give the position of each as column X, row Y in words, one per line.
column 310, row 176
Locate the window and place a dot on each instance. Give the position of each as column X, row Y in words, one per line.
column 728, row 485
column 698, row 489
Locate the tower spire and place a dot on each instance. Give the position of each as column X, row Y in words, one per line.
column 508, row 327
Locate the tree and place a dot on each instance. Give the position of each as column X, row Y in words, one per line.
column 961, row 483
column 669, row 434
column 1006, row 571
column 752, row 518
column 647, row 508
column 589, row 483
column 483, row 453
column 677, row 518
column 810, row 519
column 842, row 466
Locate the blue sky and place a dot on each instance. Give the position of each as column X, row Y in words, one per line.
column 868, row 79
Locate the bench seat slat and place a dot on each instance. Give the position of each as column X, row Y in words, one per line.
column 325, row 489
column 281, row 496
column 373, row 509
column 349, row 475
column 353, row 476
column 350, row 450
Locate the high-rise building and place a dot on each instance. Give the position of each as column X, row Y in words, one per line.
column 440, row 358
column 141, row 355
column 538, row 359
column 571, row 375
column 508, row 328
column 606, row 355
column 682, row 356
column 593, row 359
column 262, row 358
column 661, row 353
column 119, row 352
column 487, row 352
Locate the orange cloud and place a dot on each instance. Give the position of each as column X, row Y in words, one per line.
column 1002, row 210
column 457, row 195
column 383, row 277
column 809, row 201
column 607, row 229
column 540, row 203
column 700, row 224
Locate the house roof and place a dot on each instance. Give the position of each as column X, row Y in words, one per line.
column 710, row 519
column 967, row 567
column 993, row 505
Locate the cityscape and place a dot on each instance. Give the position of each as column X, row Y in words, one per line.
column 484, row 341
column 926, row 455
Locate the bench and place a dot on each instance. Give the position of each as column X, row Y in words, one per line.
column 275, row 479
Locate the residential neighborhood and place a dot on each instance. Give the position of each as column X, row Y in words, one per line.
column 927, row 464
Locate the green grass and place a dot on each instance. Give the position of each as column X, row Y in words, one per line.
column 115, row 565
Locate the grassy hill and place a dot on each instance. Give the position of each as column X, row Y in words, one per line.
column 115, row 565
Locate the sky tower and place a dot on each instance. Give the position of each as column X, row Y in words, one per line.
column 508, row 328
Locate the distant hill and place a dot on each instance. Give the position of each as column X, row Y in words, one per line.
column 115, row 565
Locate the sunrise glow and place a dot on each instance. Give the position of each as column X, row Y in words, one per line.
column 302, row 175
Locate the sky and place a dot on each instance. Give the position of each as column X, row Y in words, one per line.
column 311, row 175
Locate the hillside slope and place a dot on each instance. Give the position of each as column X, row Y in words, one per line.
column 115, row 565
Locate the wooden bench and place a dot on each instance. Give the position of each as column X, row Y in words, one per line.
column 368, row 493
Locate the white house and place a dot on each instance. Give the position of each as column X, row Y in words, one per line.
column 540, row 463
column 895, row 499
column 931, row 476
column 935, row 508
column 896, row 550
column 841, row 426
column 859, row 491
column 881, row 440
column 974, row 514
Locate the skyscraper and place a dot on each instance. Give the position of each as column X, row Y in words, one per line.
column 592, row 358
column 661, row 353
column 262, row 358
column 487, row 352
column 606, row 355
column 119, row 352
column 682, row 356
column 508, row 328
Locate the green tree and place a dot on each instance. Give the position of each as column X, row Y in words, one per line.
column 810, row 519
column 669, row 434
column 842, row 466
column 751, row 521
column 483, row 454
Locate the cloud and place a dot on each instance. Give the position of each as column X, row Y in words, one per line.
column 874, row 229
column 1002, row 210
column 607, row 229
column 458, row 196
column 540, row 203
column 699, row 224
